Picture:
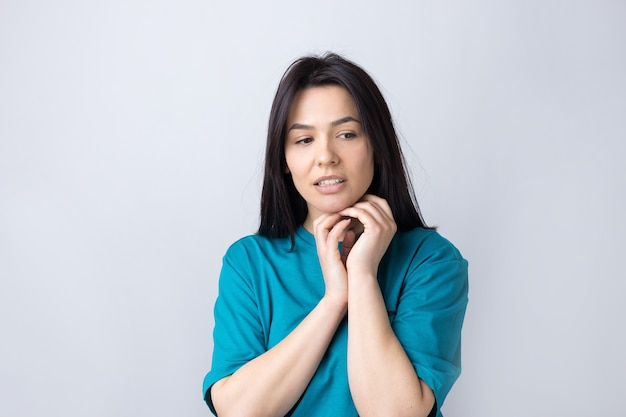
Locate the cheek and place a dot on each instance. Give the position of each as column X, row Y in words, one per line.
column 367, row 162
column 289, row 162
column 369, row 168
column 294, row 170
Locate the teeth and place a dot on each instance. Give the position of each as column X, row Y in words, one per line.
column 329, row 182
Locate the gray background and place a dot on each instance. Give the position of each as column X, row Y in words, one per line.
column 131, row 142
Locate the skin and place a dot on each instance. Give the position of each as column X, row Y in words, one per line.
column 325, row 140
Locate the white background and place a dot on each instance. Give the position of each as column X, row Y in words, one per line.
column 131, row 145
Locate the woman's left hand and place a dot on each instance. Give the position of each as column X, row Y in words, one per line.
column 379, row 227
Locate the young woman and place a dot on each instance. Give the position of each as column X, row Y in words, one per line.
column 344, row 303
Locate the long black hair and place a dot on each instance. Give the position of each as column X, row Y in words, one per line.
column 282, row 207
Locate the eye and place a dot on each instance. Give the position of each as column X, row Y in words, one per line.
column 347, row 135
column 303, row 141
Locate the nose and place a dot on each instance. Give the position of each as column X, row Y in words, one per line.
column 326, row 153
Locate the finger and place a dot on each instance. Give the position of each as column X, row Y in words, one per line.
column 347, row 244
column 329, row 223
column 380, row 202
column 339, row 228
column 330, row 228
column 377, row 207
column 366, row 213
column 359, row 214
column 371, row 216
column 319, row 230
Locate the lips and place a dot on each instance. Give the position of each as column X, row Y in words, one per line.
column 332, row 181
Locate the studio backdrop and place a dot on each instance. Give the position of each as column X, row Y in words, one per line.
column 131, row 147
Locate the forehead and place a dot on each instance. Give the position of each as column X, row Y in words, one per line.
column 320, row 104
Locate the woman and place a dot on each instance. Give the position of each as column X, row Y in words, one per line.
column 344, row 303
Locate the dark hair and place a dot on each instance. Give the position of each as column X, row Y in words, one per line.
column 282, row 207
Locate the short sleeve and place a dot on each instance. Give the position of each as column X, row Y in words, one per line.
column 430, row 314
column 238, row 336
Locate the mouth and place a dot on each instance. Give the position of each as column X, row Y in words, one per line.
column 333, row 181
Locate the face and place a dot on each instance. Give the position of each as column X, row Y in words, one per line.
column 328, row 155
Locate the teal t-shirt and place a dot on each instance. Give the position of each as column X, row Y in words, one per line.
column 267, row 287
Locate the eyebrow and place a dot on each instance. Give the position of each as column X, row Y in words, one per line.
column 338, row 122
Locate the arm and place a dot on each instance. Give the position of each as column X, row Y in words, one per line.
column 382, row 379
column 271, row 383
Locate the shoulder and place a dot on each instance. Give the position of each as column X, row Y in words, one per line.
column 427, row 250
column 433, row 264
column 427, row 245
column 255, row 245
column 246, row 259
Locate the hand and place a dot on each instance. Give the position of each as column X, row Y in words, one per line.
column 379, row 227
column 328, row 230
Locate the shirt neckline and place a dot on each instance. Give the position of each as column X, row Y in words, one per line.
column 305, row 235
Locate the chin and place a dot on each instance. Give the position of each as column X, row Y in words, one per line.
column 338, row 206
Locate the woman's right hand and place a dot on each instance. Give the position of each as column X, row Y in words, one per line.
column 328, row 230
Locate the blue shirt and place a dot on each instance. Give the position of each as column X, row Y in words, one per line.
column 267, row 287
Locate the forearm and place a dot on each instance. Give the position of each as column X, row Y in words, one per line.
column 381, row 376
column 272, row 383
